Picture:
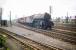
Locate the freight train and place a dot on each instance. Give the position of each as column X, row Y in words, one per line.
column 4, row 23
column 38, row 21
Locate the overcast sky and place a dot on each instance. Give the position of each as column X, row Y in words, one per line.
column 20, row 8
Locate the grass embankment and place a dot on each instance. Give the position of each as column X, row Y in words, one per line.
column 3, row 42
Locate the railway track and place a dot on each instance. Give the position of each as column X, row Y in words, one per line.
column 67, row 32
column 29, row 43
column 64, row 27
column 61, row 35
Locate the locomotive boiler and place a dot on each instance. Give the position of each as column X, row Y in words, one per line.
column 38, row 21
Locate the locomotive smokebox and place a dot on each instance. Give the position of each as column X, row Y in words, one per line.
column 47, row 16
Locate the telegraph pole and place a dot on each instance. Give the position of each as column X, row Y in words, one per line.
column 0, row 16
column 50, row 11
column 67, row 14
column 67, row 18
column 10, row 19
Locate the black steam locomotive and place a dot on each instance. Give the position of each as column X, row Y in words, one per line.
column 38, row 21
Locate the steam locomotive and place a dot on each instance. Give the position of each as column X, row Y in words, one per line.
column 38, row 21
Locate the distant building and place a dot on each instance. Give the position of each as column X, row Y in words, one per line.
column 73, row 20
